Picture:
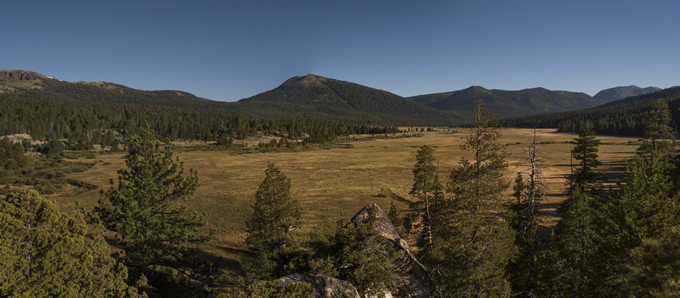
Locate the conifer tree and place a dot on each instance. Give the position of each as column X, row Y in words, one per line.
column 646, row 209
column 476, row 238
column 424, row 173
column 568, row 266
column 152, row 224
column 272, row 226
column 585, row 152
column 527, row 218
column 656, row 129
column 44, row 253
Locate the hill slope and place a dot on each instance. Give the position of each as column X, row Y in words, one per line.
column 617, row 93
column 345, row 101
column 509, row 103
column 621, row 117
column 305, row 97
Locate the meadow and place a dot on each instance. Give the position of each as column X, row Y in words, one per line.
column 335, row 183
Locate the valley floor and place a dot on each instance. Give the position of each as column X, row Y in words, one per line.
column 333, row 184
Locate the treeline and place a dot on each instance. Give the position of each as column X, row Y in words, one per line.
column 85, row 124
column 621, row 117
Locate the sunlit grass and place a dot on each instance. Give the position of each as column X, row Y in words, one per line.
column 330, row 183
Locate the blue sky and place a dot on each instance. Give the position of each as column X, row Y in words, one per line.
column 228, row 50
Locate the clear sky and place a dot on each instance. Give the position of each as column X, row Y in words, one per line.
column 228, row 50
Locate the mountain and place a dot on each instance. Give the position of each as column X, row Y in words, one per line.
column 345, row 101
column 620, row 117
column 34, row 85
column 308, row 96
column 509, row 103
column 617, row 93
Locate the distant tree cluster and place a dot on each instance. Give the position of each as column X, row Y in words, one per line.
column 87, row 124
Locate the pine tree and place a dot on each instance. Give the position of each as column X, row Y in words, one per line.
column 476, row 239
column 44, row 253
column 585, row 152
column 526, row 220
column 424, row 173
column 568, row 266
column 151, row 223
column 656, row 129
column 646, row 209
column 272, row 226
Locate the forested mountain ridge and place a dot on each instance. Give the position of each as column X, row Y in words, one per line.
column 621, row 117
column 34, row 85
column 621, row 92
column 509, row 103
column 305, row 97
column 343, row 101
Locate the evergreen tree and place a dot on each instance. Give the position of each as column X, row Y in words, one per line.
column 526, row 220
column 424, row 173
column 43, row 253
column 272, row 226
column 568, row 266
column 477, row 241
column 585, row 152
column 653, row 268
column 151, row 223
column 646, row 209
column 656, row 129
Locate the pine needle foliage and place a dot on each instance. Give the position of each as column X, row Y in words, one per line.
column 476, row 241
column 585, row 152
column 424, row 187
column 527, row 217
column 44, row 253
column 147, row 212
column 272, row 226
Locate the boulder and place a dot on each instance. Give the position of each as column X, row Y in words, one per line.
column 412, row 278
column 326, row 287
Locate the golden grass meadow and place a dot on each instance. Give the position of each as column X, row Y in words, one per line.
column 330, row 183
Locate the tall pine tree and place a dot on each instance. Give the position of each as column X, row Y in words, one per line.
column 272, row 226
column 585, row 152
column 526, row 219
column 152, row 224
column 476, row 238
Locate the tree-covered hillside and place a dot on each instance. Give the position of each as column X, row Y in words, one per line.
column 347, row 102
column 621, row 117
column 303, row 97
column 509, row 103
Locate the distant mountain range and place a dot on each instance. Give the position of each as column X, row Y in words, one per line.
column 617, row 93
column 620, row 117
column 509, row 103
column 313, row 96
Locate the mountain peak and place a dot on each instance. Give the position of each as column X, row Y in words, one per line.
column 304, row 81
column 620, row 92
column 20, row 75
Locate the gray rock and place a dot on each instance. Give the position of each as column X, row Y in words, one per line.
column 327, row 287
column 413, row 278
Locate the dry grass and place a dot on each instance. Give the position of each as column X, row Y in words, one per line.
column 332, row 182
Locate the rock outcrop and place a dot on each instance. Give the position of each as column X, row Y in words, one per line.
column 326, row 287
column 19, row 75
column 413, row 279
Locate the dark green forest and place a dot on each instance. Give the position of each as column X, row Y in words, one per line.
column 85, row 124
column 621, row 117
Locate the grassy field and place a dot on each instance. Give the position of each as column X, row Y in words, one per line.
column 330, row 183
